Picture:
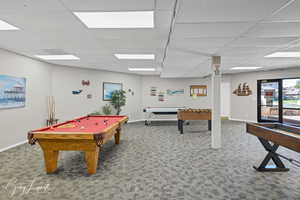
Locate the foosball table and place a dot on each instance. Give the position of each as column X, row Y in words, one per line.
column 193, row 114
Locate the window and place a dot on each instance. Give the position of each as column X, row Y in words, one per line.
column 291, row 100
column 279, row 100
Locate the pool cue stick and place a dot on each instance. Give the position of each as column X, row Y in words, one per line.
column 52, row 104
column 49, row 112
column 53, row 107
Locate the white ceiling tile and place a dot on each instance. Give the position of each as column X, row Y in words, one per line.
column 247, row 52
column 203, row 28
column 210, row 29
column 289, row 13
column 43, row 21
column 111, row 5
column 20, row 6
column 263, row 42
column 162, row 19
column 226, row 10
column 180, row 58
column 165, row 4
column 143, row 34
column 201, row 41
column 276, row 29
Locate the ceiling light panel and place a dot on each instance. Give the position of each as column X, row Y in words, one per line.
column 136, row 19
column 4, row 26
column 135, row 56
column 142, row 69
column 58, row 57
column 284, row 55
column 229, row 10
column 245, row 68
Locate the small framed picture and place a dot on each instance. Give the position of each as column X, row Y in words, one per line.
column 109, row 88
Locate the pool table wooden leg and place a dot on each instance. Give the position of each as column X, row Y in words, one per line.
column 50, row 158
column 91, row 159
column 117, row 136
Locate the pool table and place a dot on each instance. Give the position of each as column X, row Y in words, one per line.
column 87, row 134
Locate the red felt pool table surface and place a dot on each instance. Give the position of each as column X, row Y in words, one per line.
column 87, row 134
column 87, row 124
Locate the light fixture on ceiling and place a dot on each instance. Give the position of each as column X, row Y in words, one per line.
column 4, row 26
column 142, row 69
column 58, row 57
column 245, row 68
column 135, row 56
column 133, row 19
column 290, row 54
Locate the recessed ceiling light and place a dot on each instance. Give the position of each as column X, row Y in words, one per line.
column 245, row 68
column 293, row 54
column 135, row 56
column 135, row 19
column 58, row 57
column 142, row 69
column 4, row 26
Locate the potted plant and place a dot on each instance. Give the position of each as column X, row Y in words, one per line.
column 107, row 109
column 118, row 100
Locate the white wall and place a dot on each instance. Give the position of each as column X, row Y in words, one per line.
column 68, row 106
column 16, row 122
column 177, row 100
column 184, row 100
column 245, row 108
column 46, row 79
column 225, row 96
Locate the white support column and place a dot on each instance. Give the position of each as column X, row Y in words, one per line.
column 216, row 103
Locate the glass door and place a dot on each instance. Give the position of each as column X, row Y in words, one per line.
column 291, row 101
column 269, row 100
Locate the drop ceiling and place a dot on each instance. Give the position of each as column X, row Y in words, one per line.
column 186, row 34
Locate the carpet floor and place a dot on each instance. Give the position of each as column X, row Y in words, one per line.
column 156, row 163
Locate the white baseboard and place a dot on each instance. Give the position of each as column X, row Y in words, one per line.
column 137, row 120
column 162, row 120
column 12, row 146
column 242, row 120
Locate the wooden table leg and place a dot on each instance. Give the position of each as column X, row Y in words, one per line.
column 50, row 158
column 91, row 159
column 209, row 125
column 181, row 126
column 117, row 136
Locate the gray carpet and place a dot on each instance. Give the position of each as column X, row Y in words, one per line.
column 154, row 163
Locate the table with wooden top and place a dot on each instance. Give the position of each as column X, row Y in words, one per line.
column 272, row 136
column 87, row 134
column 193, row 114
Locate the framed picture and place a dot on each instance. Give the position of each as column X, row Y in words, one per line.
column 198, row 90
column 12, row 92
column 109, row 88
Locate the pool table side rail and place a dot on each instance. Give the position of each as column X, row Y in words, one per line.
column 33, row 136
column 267, row 132
column 74, row 120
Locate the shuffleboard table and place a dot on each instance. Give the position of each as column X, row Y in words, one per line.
column 88, row 134
column 271, row 136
